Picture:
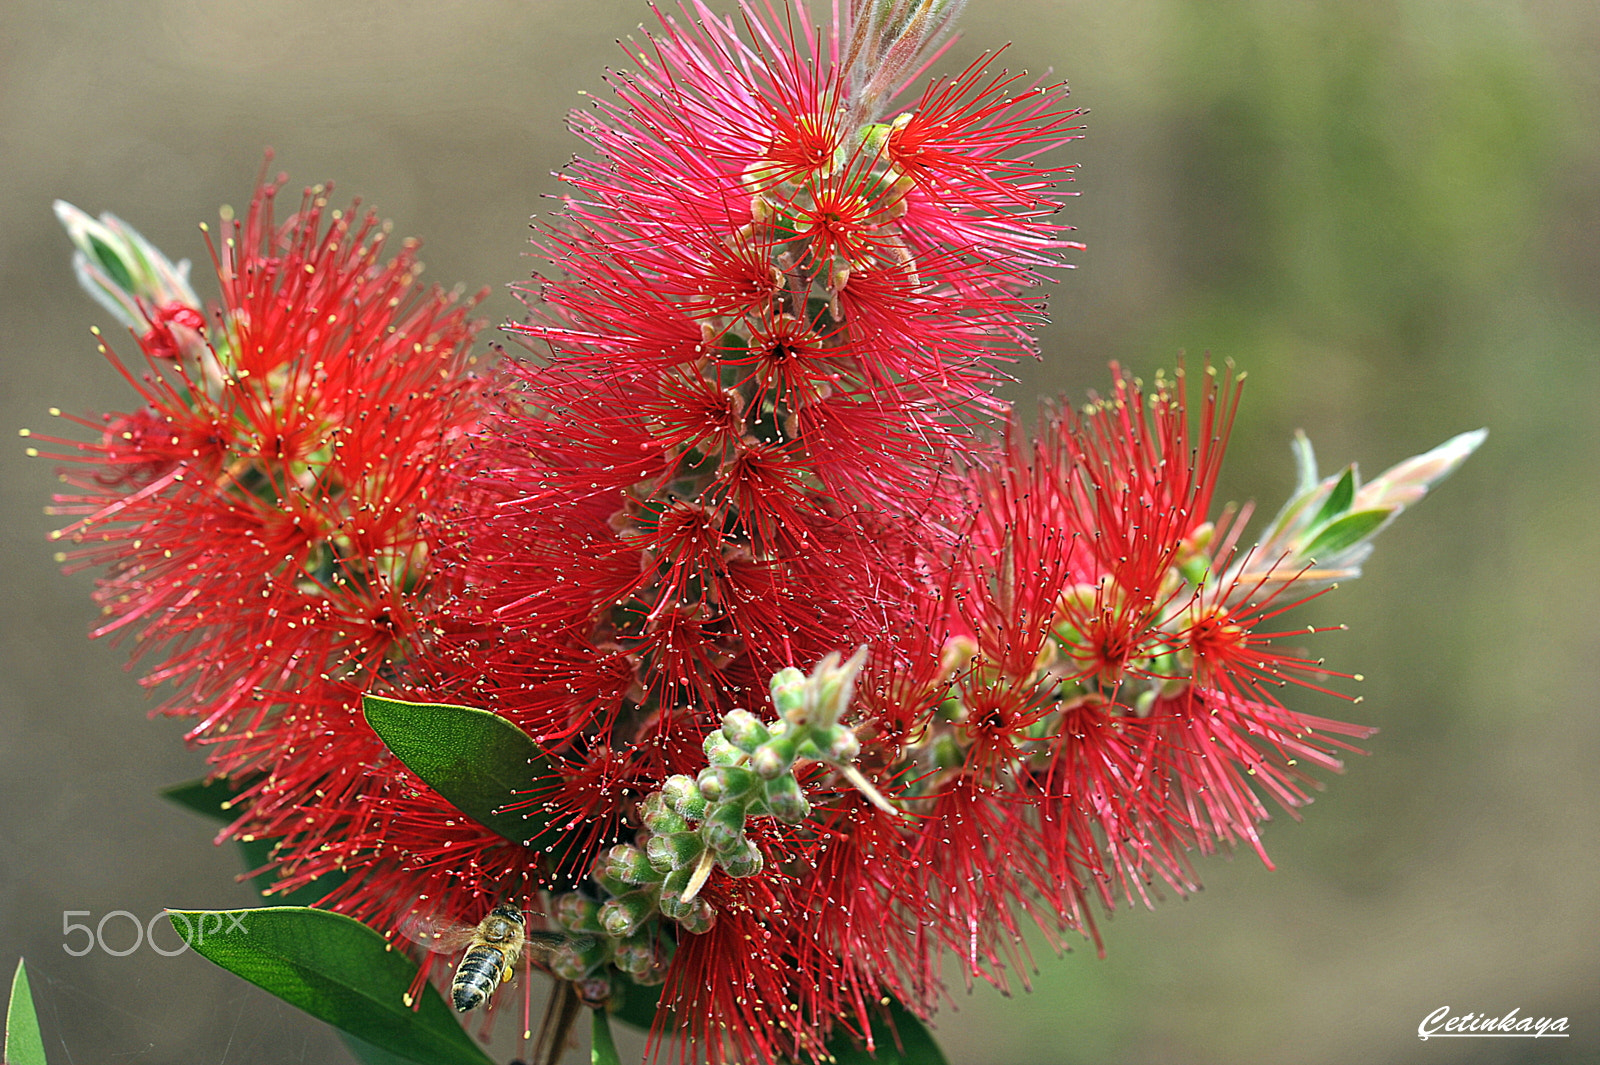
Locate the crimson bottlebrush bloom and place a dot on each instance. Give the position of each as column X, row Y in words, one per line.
column 1120, row 660
column 266, row 518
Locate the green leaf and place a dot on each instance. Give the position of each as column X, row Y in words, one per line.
column 368, row 1054
column 113, row 264
column 602, row 1048
column 214, row 799
column 1338, row 500
column 915, row 1045
column 1347, row 532
column 24, row 1045
column 476, row 760
column 638, row 1006
column 336, row 969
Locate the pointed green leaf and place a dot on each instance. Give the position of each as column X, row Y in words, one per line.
column 24, row 1045
column 368, row 1054
column 602, row 1048
column 112, row 262
column 479, row 762
column 900, row 1037
column 214, row 799
column 336, row 969
column 1338, row 500
column 637, row 1008
column 1346, row 532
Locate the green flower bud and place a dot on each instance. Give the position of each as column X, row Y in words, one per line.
column 578, row 957
column 789, row 693
column 727, row 783
column 700, row 917
column 723, row 830
column 786, row 801
column 744, row 730
column 775, row 758
column 719, row 751
column 575, row 912
column 622, row 867
column 667, row 853
column 624, row 915
column 682, row 794
column 637, row 954
column 745, row 860
column 659, row 817
column 836, row 744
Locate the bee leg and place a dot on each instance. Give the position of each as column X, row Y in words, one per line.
column 506, row 976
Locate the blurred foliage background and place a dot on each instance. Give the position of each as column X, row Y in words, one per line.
column 1386, row 211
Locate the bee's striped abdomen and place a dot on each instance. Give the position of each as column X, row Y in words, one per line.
column 478, row 976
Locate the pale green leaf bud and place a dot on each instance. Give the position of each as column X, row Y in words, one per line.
column 121, row 269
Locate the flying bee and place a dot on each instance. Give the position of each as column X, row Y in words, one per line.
column 492, row 950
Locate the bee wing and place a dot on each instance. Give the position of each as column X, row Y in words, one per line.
column 437, row 932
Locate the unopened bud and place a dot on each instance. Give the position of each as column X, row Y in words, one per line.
column 659, row 817
column 774, row 759
column 744, row 730
column 682, row 794
column 623, row 866
column 719, row 751
column 576, row 912
column 723, row 830
column 622, row 916
column 786, row 801
column 789, row 693
column 745, row 860
column 667, row 853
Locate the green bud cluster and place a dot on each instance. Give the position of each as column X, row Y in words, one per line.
column 695, row 825
column 589, row 952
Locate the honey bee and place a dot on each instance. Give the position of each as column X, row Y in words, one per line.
column 492, row 950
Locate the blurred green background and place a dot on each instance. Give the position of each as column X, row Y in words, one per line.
column 1387, row 211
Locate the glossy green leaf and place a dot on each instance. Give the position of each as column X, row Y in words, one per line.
column 637, row 1007
column 900, row 1038
column 24, row 1045
column 336, row 969
column 368, row 1054
column 1338, row 501
column 479, row 762
column 1347, row 532
column 602, row 1048
column 213, row 798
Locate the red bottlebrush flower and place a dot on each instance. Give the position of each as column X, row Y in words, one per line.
column 1120, row 659
column 268, row 518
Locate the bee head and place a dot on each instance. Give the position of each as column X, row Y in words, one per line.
column 510, row 913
